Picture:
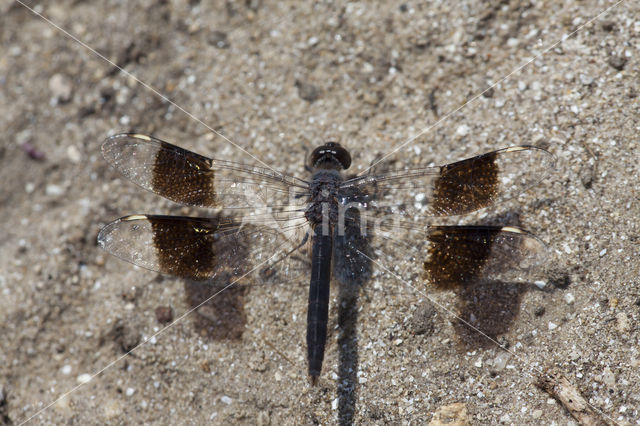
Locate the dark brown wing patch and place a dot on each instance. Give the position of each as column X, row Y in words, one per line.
column 185, row 248
column 184, row 176
column 466, row 185
column 454, row 258
column 462, row 255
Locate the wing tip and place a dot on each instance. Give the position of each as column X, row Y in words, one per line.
column 116, row 139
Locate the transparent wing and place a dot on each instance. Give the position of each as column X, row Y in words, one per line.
column 200, row 248
column 192, row 179
column 461, row 255
column 457, row 188
column 458, row 256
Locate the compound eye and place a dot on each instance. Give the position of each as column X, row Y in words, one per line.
column 330, row 155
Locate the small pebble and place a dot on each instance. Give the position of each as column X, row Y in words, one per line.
column 463, row 130
column 500, row 361
column 54, row 190
column 608, row 378
column 569, row 298
column 84, row 378
column 226, row 400
column 130, row 391
column 586, row 80
column 367, row 68
column 73, row 154
column 66, row 369
column 623, row 325
column 307, row 91
column 33, row 152
column 452, row 414
column 552, row 326
column 164, row 314
column 618, row 62
column 219, row 39
column 60, row 87
column 603, row 252
column 608, row 25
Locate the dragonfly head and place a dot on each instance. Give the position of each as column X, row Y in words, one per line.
column 331, row 155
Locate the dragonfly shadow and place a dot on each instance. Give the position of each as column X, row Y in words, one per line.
column 489, row 306
column 492, row 306
column 219, row 312
column 348, row 353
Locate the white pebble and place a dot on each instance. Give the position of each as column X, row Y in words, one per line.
column 66, row 369
column 603, row 252
column 60, row 87
column 540, row 284
column 463, row 130
column 226, row 400
column 367, row 68
column 586, row 80
column 500, row 361
column 74, row 154
column 130, row 391
column 608, row 377
column 84, row 378
column 334, row 404
column 54, row 190
column 622, row 323
column 29, row 187
column 552, row 326
column 569, row 298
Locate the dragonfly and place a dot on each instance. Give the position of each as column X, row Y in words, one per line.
column 262, row 220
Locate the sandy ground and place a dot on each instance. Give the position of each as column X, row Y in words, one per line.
column 278, row 78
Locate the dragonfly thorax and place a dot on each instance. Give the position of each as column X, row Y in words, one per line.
column 323, row 207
